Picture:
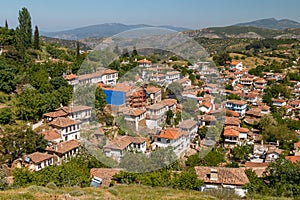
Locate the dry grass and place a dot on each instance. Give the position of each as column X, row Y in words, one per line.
column 252, row 62
column 120, row 192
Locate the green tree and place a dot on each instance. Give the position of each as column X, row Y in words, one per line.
column 213, row 158
column 100, row 99
column 36, row 39
column 283, row 178
column 256, row 185
column 202, row 132
column 25, row 28
column 169, row 118
column 5, row 115
column 6, row 24
column 187, row 180
column 77, row 50
column 240, row 153
column 17, row 141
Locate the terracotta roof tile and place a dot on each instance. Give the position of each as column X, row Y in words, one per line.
column 50, row 135
column 232, row 121
column 123, row 142
column 229, row 176
column 64, row 122
column 231, row 132
column 293, row 159
column 105, row 174
column 153, row 89
column 38, row 157
column 170, row 133
column 64, row 147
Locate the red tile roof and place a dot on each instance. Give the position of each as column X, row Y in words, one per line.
column 105, row 174
column 123, row 142
column 55, row 114
column 152, row 89
column 62, row 122
column 228, row 176
column 293, row 159
column 231, row 132
column 64, row 147
column 50, row 135
column 232, row 121
column 170, row 133
column 38, row 157
column 70, row 76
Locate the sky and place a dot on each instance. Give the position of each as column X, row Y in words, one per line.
column 55, row 15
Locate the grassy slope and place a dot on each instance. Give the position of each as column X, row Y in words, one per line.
column 126, row 192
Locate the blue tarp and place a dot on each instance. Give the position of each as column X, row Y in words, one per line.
column 115, row 98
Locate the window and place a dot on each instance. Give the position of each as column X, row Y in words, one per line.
column 158, row 139
column 39, row 166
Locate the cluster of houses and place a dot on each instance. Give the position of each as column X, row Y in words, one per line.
column 144, row 109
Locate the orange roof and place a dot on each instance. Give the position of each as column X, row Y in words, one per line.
column 64, row 147
column 38, row 157
column 135, row 112
column 50, row 135
column 206, row 104
column 63, row 122
column 152, row 89
column 232, row 113
column 70, row 76
column 231, row 132
column 55, row 114
column 293, row 159
column 234, row 62
column 237, row 102
column 144, row 61
column 170, row 133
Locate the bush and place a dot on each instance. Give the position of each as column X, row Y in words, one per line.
column 77, row 193
column 51, row 185
column 113, row 191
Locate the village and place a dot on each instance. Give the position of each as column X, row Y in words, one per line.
column 151, row 116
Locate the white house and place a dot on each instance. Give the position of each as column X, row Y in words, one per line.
column 156, row 112
column 64, row 150
column 189, row 126
column 69, row 129
column 106, row 76
column 117, row 147
column 134, row 116
column 38, row 161
column 82, row 113
column 237, row 106
column 172, row 137
column 172, row 76
column 278, row 102
column 223, row 178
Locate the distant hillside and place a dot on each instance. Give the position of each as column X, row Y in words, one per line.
column 243, row 32
column 272, row 23
column 101, row 30
column 71, row 44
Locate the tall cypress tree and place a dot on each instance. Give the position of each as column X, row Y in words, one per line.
column 6, row 24
column 36, row 39
column 25, row 28
column 77, row 50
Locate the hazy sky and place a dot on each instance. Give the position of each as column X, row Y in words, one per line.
column 53, row 15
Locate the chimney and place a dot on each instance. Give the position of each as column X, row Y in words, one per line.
column 213, row 174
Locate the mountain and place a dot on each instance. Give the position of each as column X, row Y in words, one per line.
column 243, row 32
column 101, row 30
column 272, row 23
